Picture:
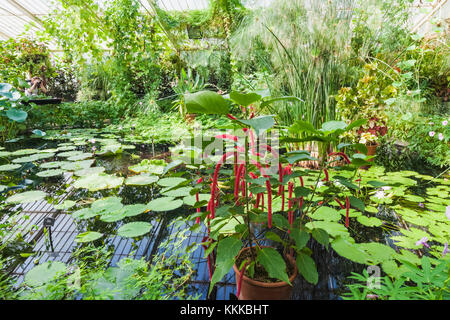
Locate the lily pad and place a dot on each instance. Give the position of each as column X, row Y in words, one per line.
column 134, row 229
column 170, row 182
column 179, row 192
column 134, row 209
column 164, row 204
column 99, row 181
column 67, row 204
column 113, row 216
column 26, row 197
column 52, row 164
column 9, row 167
column 68, row 154
column 81, row 156
column 88, row 236
column 191, row 200
column 77, row 165
column 84, row 213
column 369, row 221
column 89, row 171
column 50, row 173
column 109, row 204
column 44, row 273
column 141, row 180
column 24, row 152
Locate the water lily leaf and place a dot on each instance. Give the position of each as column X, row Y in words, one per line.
column 26, row 159
column 327, row 214
column 24, row 152
column 369, row 222
column 99, row 181
column 81, row 156
column 77, row 165
column 9, row 167
column 333, row 228
column 89, row 171
column 67, row 204
column 134, row 229
column 52, row 164
column 68, row 154
column 84, row 213
column 134, row 209
column 4, row 154
column 26, row 197
column 44, row 273
column 2, row 188
column 180, row 192
column 109, row 204
column 67, row 148
column 191, row 200
column 141, row 180
column 171, row 182
column 88, row 236
column 50, row 173
column 164, row 204
column 414, row 198
column 113, row 216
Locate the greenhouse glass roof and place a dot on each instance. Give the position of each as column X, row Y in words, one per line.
column 19, row 16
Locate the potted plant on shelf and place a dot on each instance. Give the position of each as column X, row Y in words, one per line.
column 258, row 210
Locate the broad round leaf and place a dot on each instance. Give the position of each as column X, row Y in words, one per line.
column 164, row 204
column 9, row 167
column 170, row 182
column 89, row 171
column 50, row 173
column 26, row 197
column 97, row 182
column 44, row 273
column 134, row 229
column 134, row 209
column 88, row 236
column 141, row 180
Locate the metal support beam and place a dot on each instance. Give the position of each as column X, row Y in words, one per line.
column 28, row 13
column 4, row 35
column 428, row 16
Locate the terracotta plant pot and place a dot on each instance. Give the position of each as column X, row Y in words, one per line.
column 371, row 150
column 256, row 290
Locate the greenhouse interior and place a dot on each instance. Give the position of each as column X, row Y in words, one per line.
column 224, row 150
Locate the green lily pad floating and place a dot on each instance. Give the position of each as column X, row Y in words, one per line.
column 25, row 159
column 24, row 152
column 164, row 204
column 48, row 151
column 98, row 182
column 66, row 148
column 113, row 216
column 82, row 156
column 180, row 192
column 67, row 204
column 147, row 166
column 44, row 273
column 134, row 209
column 109, row 204
column 89, row 171
column 414, row 198
column 26, row 197
column 2, row 187
column 128, row 147
column 46, row 155
column 4, row 154
column 50, row 173
column 134, row 229
column 9, row 167
column 191, row 200
column 88, row 236
column 84, row 213
column 170, row 182
column 77, row 165
column 68, row 154
column 369, row 221
column 52, row 164
column 327, row 214
column 141, row 180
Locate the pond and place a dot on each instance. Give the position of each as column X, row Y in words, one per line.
column 54, row 226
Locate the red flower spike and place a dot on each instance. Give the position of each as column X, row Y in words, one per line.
column 347, row 205
column 340, row 203
column 241, row 276
column 269, row 203
column 236, row 182
column 231, row 116
column 326, row 175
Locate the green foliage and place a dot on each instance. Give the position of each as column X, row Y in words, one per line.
column 417, row 283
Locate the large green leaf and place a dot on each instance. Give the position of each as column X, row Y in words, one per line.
column 44, row 273
column 164, row 204
column 349, row 250
column 26, row 197
column 207, row 102
column 134, row 229
column 98, row 182
column 273, row 263
column 301, row 238
column 307, row 267
column 16, row 115
column 171, row 181
column 88, row 236
column 227, row 250
column 9, row 167
column 327, row 214
column 244, row 99
column 260, row 124
column 141, row 180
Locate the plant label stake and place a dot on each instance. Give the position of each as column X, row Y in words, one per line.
column 48, row 223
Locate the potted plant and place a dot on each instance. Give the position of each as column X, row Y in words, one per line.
column 258, row 211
